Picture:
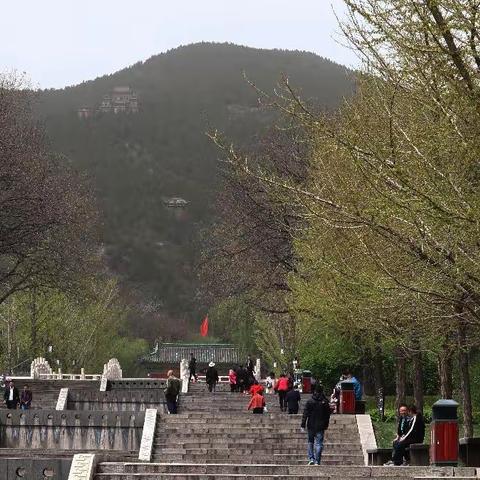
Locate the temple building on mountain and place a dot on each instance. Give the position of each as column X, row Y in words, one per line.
column 120, row 100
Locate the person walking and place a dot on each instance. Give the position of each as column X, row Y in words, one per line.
column 241, row 378
column 232, row 379
column 292, row 400
column 11, row 396
column 255, row 388
column 250, row 366
column 281, row 387
column 26, row 398
column 172, row 391
column 211, row 377
column 269, row 383
column 257, row 403
column 192, row 367
column 316, row 417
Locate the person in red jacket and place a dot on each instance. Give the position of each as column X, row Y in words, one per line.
column 257, row 403
column 281, row 387
column 256, row 388
column 232, row 378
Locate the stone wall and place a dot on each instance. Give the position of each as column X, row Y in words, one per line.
column 117, row 400
column 33, row 468
column 70, row 430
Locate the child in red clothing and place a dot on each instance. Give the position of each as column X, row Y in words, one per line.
column 256, row 388
column 232, row 378
column 257, row 403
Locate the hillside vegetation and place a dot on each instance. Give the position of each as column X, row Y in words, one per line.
column 138, row 160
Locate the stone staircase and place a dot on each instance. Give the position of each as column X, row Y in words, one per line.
column 214, row 438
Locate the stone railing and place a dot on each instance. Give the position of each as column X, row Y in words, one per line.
column 69, row 376
column 71, row 430
column 136, row 383
column 116, row 400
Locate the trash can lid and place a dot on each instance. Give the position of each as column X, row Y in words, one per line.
column 444, row 402
column 347, row 385
column 444, row 409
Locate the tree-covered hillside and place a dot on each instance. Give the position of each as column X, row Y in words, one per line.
column 138, row 160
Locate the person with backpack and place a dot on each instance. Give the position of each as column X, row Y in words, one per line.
column 257, row 403
column 316, row 417
column 281, row 387
column 172, row 391
column 269, row 383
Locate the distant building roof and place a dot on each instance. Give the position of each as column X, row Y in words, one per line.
column 121, row 89
column 175, row 202
column 204, row 353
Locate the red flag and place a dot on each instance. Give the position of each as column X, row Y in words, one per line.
column 204, row 327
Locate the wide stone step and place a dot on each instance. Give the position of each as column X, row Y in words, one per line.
column 243, row 443
column 288, row 459
column 257, row 450
column 219, row 470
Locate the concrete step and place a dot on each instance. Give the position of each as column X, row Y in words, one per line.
column 220, row 471
column 242, row 443
column 233, row 458
column 265, row 450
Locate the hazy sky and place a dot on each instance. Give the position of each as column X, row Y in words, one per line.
column 62, row 42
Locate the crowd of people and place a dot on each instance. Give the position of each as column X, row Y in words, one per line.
column 317, row 409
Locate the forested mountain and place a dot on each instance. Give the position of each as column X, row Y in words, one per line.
column 136, row 161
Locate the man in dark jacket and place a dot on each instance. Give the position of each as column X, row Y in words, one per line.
column 211, row 377
column 316, row 417
column 250, row 365
column 11, row 396
column 192, row 367
column 293, row 399
column 172, row 391
column 414, row 434
column 242, row 375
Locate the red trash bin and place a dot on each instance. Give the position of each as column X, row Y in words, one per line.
column 444, row 433
column 347, row 397
column 306, row 381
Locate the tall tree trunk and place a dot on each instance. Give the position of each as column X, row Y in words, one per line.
column 464, row 371
column 400, row 378
column 33, row 322
column 418, row 380
column 444, row 363
column 379, row 379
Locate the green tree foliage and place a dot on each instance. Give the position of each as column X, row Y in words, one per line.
column 233, row 320
column 389, row 257
column 85, row 329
